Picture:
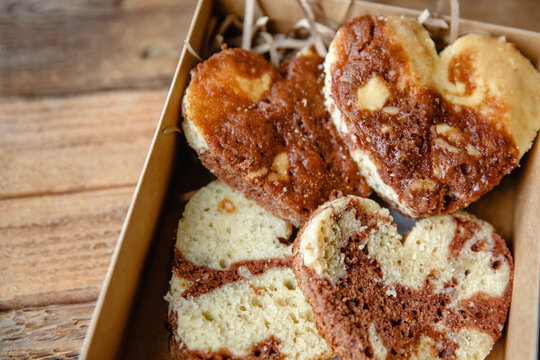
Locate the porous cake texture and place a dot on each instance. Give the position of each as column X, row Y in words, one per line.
column 440, row 292
column 233, row 294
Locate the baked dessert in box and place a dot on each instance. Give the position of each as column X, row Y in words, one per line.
column 233, row 293
column 440, row 292
column 267, row 133
column 430, row 132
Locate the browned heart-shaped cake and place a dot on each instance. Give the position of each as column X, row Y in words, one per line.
column 441, row 292
column 430, row 132
column 268, row 133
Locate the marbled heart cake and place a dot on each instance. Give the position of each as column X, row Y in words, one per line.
column 233, row 294
column 430, row 132
column 440, row 292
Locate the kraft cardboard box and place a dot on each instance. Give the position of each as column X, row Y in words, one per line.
column 130, row 316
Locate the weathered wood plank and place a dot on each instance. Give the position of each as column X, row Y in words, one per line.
column 65, row 47
column 74, row 143
column 53, row 332
column 56, row 249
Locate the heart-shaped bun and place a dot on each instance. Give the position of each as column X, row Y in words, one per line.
column 443, row 291
column 267, row 134
column 430, row 132
column 233, row 293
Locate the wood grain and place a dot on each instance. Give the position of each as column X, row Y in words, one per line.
column 64, row 47
column 57, row 248
column 68, row 165
column 52, row 145
column 53, row 332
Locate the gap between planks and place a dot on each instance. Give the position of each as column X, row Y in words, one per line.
column 56, row 249
column 68, row 167
column 65, row 192
column 62, row 145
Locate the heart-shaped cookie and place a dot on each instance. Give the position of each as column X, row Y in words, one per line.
column 430, row 132
column 443, row 291
column 269, row 134
column 233, row 293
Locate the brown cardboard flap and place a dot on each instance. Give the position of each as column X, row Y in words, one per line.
column 110, row 316
column 522, row 326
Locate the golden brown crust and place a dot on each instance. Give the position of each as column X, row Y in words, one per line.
column 275, row 142
column 435, row 155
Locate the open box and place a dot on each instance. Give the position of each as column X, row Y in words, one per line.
column 130, row 315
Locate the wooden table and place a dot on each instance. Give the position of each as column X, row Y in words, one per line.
column 82, row 85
